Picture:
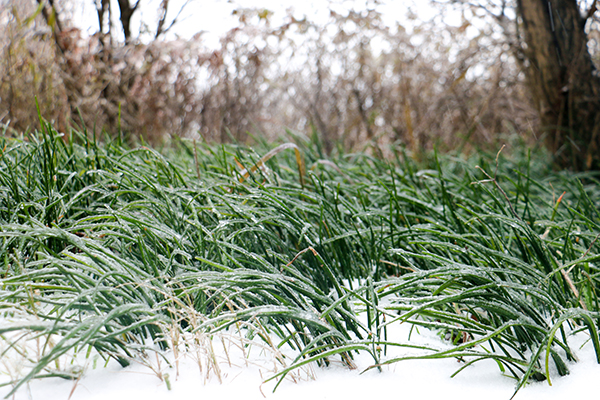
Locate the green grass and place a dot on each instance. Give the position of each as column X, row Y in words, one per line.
column 108, row 248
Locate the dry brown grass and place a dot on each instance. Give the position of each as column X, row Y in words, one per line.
column 355, row 82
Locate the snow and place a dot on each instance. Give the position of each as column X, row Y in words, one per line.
column 242, row 376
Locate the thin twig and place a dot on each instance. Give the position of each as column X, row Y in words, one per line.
column 397, row 265
column 565, row 275
column 591, row 245
column 592, row 10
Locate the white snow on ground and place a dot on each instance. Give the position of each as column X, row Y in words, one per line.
column 420, row 379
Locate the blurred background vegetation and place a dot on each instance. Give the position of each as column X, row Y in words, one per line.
column 352, row 82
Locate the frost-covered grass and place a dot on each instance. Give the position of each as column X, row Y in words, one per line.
column 118, row 252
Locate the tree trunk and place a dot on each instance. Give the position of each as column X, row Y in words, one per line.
column 563, row 81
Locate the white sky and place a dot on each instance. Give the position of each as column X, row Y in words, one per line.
column 214, row 17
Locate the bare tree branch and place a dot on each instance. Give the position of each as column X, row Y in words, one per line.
column 127, row 11
column 102, row 7
column 160, row 29
column 164, row 6
column 52, row 19
column 592, row 10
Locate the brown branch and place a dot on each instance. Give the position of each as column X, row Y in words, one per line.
column 175, row 20
column 164, row 6
column 592, row 10
column 362, row 112
column 101, row 10
column 53, row 21
column 127, row 12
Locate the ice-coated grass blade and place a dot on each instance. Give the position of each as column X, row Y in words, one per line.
column 107, row 246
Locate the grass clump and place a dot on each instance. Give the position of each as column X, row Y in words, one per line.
column 112, row 248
